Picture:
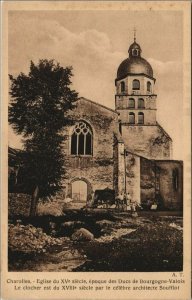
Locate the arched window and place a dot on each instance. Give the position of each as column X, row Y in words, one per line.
column 120, row 127
column 175, row 175
column 140, row 118
column 120, row 103
column 122, row 86
column 81, row 139
column 141, row 103
column 136, row 84
column 131, row 118
column 148, row 86
column 134, row 52
column 131, row 103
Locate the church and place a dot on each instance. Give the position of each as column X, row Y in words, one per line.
column 122, row 150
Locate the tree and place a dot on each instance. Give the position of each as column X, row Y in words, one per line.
column 38, row 110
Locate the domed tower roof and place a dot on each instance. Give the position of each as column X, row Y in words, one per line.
column 134, row 64
column 133, row 47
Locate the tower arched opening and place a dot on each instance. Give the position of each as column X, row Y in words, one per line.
column 131, row 118
column 136, row 84
column 140, row 118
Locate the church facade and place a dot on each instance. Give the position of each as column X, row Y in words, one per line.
column 123, row 150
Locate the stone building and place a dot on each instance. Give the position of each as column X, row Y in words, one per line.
column 90, row 150
column 122, row 150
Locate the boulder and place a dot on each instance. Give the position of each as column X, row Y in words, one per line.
column 105, row 223
column 82, row 234
column 68, row 224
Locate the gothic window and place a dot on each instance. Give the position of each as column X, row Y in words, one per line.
column 140, row 118
column 131, row 118
column 122, row 86
column 148, row 86
column 175, row 176
column 141, row 103
column 81, row 139
column 131, row 103
column 136, row 84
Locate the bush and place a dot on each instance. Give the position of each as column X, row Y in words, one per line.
column 52, row 208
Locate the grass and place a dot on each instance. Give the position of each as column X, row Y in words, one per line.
column 151, row 248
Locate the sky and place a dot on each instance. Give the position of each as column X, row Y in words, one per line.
column 94, row 43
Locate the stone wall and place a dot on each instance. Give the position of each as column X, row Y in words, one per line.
column 149, row 141
column 147, row 183
column 149, row 115
column 129, row 84
column 97, row 170
column 122, row 102
column 158, row 180
column 171, row 191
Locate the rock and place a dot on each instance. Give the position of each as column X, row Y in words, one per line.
column 104, row 223
column 82, row 234
column 114, row 235
column 69, row 227
column 113, row 206
column 68, row 224
column 173, row 225
column 29, row 239
column 79, row 223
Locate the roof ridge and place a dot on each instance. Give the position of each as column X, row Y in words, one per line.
column 108, row 108
column 134, row 153
column 164, row 131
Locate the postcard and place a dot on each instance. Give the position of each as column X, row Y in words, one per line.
column 96, row 158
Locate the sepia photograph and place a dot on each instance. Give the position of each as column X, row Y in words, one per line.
column 96, row 150
column 95, row 144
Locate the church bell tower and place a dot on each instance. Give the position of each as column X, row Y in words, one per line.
column 135, row 98
column 135, row 101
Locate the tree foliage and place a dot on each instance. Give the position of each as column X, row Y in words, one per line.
column 38, row 110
